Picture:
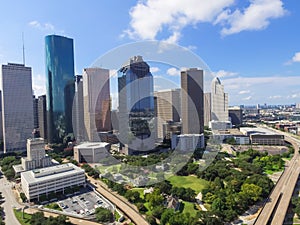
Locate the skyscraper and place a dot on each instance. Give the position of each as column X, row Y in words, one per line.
column 167, row 108
column 96, row 101
column 219, row 101
column 35, row 112
column 136, row 106
column 17, row 106
column 192, row 112
column 207, row 108
column 42, row 112
column 60, row 86
column 78, row 111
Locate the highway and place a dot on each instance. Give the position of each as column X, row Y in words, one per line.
column 124, row 206
column 277, row 204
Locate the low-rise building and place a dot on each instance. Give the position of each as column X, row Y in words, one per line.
column 51, row 179
column 187, row 142
column 91, row 152
column 261, row 136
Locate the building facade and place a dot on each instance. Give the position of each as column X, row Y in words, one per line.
column 35, row 113
column 59, row 86
column 136, row 107
column 187, row 142
column 167, row 108
column 42, row 117
column 91, row 152
column 96, row 101
column 236, row 115
column 192, row 112
column 51, row 179
column 219, row 101
column 17, row 106
column 207, row 108
column 78, row 111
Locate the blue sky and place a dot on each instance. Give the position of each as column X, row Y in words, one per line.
column 253, row 46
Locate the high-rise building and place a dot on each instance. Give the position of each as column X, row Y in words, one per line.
column 96, row 101
column 78, row 111
column 36, row 156
column 192, row 113
column 42, row 113
column 35, row 112
column 167, row 108
column 219, row 101
column 207, row 108
column 236, row 115
column 1, row 127
column 136, row 107
column 60, row 86
column 17, row 107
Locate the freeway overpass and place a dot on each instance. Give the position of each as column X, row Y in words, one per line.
column 277, row 204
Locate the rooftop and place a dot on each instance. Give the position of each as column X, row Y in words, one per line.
column 48, row 173
column 92, row 145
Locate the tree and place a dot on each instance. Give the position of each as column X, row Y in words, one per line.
column 141, row 207
column 103, row 215
column 154, row 199
column 37, row 219
column 151, row 220
column 23, row 197
column 132, row 196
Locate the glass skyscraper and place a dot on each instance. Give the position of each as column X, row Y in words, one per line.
column 60, row 86
column 136, row 106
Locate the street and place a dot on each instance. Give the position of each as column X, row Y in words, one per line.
column 9, row 202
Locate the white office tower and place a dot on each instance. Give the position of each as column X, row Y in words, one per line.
column 17, row 106
column 96, row 101
column 219, row 106
column 36, row 156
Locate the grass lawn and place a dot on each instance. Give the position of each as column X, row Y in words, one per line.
column 54, row 206
column 140, row 191
column 192, row 182
column 189, row 208
column 26, row 220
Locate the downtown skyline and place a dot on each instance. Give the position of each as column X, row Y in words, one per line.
column 254, row 55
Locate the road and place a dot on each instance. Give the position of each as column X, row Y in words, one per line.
column 277, row 204
column 125, row 207
column 9, row 202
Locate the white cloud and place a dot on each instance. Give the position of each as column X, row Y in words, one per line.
column 244, row 92
column 275, row 97
column 173, row 71
column 154, row 69
column 247, row 98
column 296, row 57
column 45, row 27
column 223, row 73
column 149, row 18
column 39, row 84
column 255, row 17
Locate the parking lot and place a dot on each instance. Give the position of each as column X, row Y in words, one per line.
column 84, row 203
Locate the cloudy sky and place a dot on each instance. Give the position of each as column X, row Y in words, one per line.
column 252, row 45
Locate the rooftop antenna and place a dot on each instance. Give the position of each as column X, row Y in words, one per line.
column 23, row 48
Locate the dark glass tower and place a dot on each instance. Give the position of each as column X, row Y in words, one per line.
column 136, row 106
column 60, row 86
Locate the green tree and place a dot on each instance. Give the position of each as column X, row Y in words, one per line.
column 37, row 219
column 103, row 215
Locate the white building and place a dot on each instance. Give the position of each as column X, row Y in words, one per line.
column 96, row 102
column 17, row 106
column 51, row 179
column 187, row 142
column 91, row 152
column 219, row 101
